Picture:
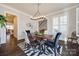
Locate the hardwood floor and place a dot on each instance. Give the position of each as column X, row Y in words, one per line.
column 11, row 48
column 9, row 52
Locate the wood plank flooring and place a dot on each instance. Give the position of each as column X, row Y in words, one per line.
column 9, row 52
column 11, row 48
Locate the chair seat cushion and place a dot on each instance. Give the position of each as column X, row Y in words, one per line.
column 49, row 43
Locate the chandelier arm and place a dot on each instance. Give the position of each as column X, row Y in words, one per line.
column 38, row 6
column 39, row 9
column 37, row 12
column 37, row 15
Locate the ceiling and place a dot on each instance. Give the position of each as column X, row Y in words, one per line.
column 45, row 8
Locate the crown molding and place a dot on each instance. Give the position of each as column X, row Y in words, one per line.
column 62, row 10
column 8, row 7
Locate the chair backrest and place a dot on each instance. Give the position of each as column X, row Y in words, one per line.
column 29, row 35
column 57, row 39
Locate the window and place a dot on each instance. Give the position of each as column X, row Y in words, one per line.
column 63, row 24
column 55, row 24
column 60, row 24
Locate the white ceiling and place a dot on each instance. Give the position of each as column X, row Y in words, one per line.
column 45, row 8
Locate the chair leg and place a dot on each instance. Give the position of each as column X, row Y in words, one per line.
column 26, row 45
column 55, row 51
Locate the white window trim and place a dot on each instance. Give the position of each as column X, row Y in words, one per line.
column 77, row 21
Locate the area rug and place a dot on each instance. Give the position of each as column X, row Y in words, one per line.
column 36, row 52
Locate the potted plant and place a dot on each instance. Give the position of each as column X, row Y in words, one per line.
column 2, row 21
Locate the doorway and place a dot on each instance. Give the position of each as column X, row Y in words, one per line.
column 11, row 24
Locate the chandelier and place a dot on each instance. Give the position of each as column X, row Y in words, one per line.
column 37, row 15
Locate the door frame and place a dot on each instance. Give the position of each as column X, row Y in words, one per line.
column 13, row 13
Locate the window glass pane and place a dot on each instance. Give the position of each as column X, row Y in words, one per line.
column 55, row 27
column 63, row 28
column 55, row 21
column 63, row 20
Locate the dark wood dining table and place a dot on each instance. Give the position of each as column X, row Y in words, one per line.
column 43, row 37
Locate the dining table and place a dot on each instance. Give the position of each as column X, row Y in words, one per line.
column 43, row 37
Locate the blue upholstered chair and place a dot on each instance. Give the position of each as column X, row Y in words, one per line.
column 54, row 44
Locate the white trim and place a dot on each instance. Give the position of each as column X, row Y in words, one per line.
column 67, row 23
column 77, row 21
column 8, row 7
column 62, row 10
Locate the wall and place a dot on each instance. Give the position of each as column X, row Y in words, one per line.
column 49, row 25
column 22, row 26
column 72, row 21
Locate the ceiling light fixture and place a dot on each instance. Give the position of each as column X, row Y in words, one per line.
column 37, row 15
